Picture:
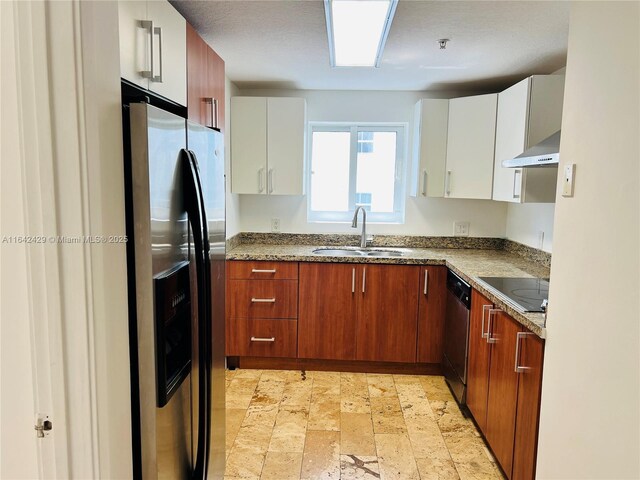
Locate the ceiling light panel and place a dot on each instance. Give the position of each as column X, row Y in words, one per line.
column 357, row 30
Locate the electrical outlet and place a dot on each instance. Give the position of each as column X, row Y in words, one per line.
column 461, row 229
column 275, row 225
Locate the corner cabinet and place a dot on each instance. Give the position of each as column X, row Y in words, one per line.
column 528, row 112
column 153, row 48
column 268, row 145
column 470, row 147
column 431, row 118
column 503, row 386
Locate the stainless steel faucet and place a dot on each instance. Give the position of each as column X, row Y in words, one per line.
column 354, row 224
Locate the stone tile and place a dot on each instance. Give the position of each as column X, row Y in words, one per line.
column 281, row 375
column 357, row 467
column 451, row 420
column 325, row 386
column 321, row 459
column 395, row 457
column 381, row 385
column 429, row 444
column 267, row 393
column 282, row 466
column 478, row 471
column 297, row 392
column 354, row 393
column 324, row 415
column 356, row 434
column 240, row 391
column 436, row 388
column 387, row 415
column 234, row 418
column 244, row 463
column 290, row 429
column 415, row 407
column 471, row 458
column 437, row 469
column 247, row 373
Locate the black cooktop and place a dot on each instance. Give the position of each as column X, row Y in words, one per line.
column 528, row 293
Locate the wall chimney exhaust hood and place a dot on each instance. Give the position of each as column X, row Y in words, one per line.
column 543, row 154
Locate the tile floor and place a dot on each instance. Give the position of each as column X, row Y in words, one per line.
column 327, row 425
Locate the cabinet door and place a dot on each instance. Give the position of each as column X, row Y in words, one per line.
column 387, row 313
column 529, row 388
column 134, row 42
column 170, row 51
column 248, row 145
column 430, row 143
column 431, row 312
column 479, row 359
column 196, row 77
column 511, row 140
column 215, row 90
column 285, row 145
column 470, row 147
column 327, row 316
column 503, row 389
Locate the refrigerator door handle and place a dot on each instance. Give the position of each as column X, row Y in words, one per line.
column 194, row 207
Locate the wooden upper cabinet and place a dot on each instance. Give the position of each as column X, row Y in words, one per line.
column 431, row 312
column 387, row 313
column 327, row 317
column 205, row 82
column 479, row 359
column 531, row 354
column 503, row 389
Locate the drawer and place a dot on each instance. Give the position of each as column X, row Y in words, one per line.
column 262, row 337
column 263, row 299
column 249, row 270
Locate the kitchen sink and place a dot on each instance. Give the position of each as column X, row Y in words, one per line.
column 350, row 252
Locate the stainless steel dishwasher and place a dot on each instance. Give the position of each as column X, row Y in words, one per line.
column 456, row 335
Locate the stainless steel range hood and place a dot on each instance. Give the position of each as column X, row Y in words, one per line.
column 543, row 154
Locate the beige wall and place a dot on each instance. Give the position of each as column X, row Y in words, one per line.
column 590, row 420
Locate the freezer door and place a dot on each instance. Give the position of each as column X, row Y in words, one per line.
column 161, row 243
column 208, row 147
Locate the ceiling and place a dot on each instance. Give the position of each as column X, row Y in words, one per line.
column 283, row 44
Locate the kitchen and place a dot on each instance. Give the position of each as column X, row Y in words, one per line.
column 576, row 219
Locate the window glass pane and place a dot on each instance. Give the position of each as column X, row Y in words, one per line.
column 330, row 171
column 376, row 167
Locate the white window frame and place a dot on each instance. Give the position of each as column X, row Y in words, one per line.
column 398, row 214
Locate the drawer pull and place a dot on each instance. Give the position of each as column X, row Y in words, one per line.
column 263, row 339
column 256, row 270
column 263, row 300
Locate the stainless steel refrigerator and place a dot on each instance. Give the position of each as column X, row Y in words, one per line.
column 176, row 217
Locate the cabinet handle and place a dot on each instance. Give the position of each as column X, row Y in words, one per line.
column 216, row 107
column 255, row 270
column 263, row 300
column 270, row 180
column 489, row 338
column 260, row 180
column 448, row 183
column 148, row 25
column 515, row 173
column 213, row 102
column 484, row 310
column 263, row 339
column 424, row 183
column 426, row 281
column 519, row 336
column 364, row 278
column 353, row 280
column 157, row 78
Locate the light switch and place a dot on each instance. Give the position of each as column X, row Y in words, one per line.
column 568, row 179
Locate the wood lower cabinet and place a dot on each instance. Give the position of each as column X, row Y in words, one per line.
column 479, row 358
column 263, row 298
column 327, row 317
column 263, row 337
column 431, row 311
column 387, row 318
column 528, row 412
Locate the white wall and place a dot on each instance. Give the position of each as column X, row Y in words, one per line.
column 424, row 216
column 525, row 222
column 232, row 201
column 590, row 415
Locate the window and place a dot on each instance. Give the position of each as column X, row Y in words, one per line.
column 356, row 165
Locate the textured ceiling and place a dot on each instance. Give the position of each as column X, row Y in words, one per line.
column 283, row 44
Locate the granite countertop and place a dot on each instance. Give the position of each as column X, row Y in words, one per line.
column 470, row 264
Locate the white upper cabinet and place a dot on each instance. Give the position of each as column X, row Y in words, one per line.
column 268, row 145
column 153, row 47
column 528, row 112
column 431, row 118
column 470, row 147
